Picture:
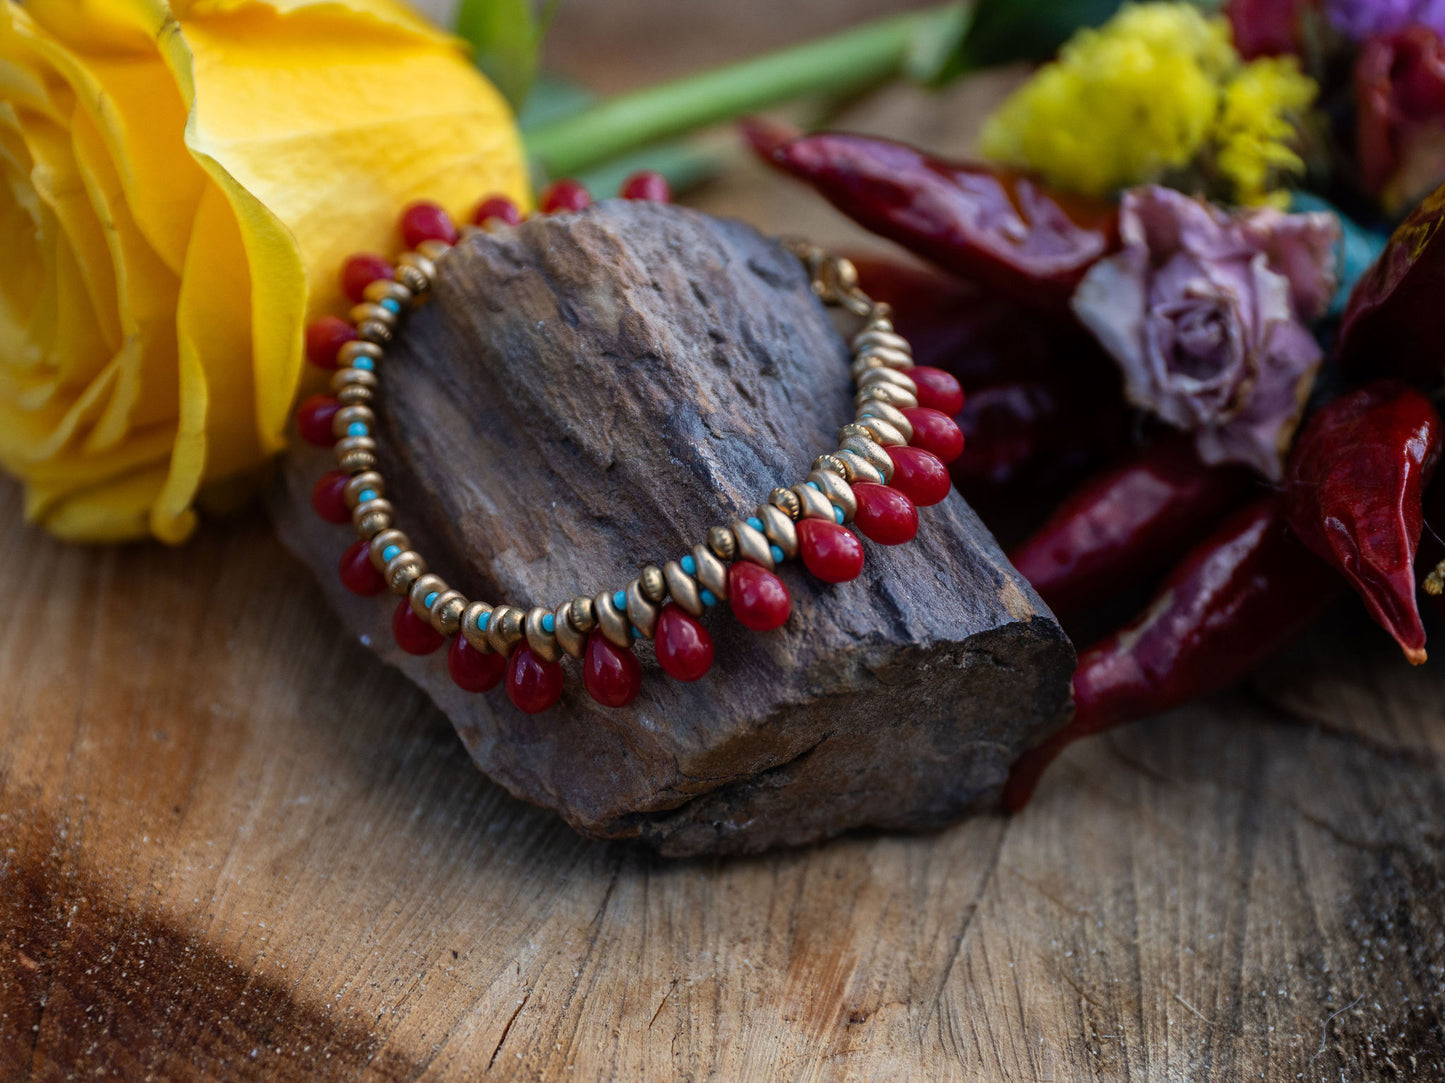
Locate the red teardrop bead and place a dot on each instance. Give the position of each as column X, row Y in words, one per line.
column 564, row 195
column 646, row 184
column 684, row 648
column 884, row 514
column 360, row 271
column 496, row 208
column 533, row 684
column 938, row 390
column 759, row 599
column 612, row 675
column 358, row 573
column 413, row 635
column 473, row 670
column 919, row 475
column 831, row 553
column 426, row 221
column 328, row 497
column 324, row 337
column 935, row 432
column 314, row 418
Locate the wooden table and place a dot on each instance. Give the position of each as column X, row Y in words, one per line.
column 232, row 846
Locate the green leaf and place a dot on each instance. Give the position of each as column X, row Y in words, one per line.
column 1004, row 31
column 506, row 36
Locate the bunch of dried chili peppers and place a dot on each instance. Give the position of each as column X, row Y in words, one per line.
column 1228, row 536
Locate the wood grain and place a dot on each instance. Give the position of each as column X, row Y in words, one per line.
column 233, row 848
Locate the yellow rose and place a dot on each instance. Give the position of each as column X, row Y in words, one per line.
column 182, row 183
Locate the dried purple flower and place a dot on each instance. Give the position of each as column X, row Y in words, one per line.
column 1205, row 313
column 1358, row 19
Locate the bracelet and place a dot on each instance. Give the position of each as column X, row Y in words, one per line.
column 889, row 460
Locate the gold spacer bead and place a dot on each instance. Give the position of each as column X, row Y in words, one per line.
column 419, row 262
column 403, row 569
column 360, row 483
column 874, row 337
column 374, row 331
column 421, row 588
column 787, row 501
column 414, row 279
column 371, row 518
column 683, row 588
column 882, row 432
column 355, row 394
column 348, row 414
column 355, row 453
column 654, row 588
column 721, row 541
column 830, row 463
column 446, row 612
column 568, row 638
column 752, row 545
column 859, row 469
column 872, row 451
column 884, row 411
column 711, row 572
column 612, row 621
column 384, row 541
column 779, row 529
column 471, row 628
column 353, row 351
column 366, row 312
column 504, row 629
column 641, row 612
column 894, row 396
column 815, row 504
column 890, row 378
column 382, row 289
column 582, row 614
column 853, row 429
column 542, row 642
column 433, row 250
column 839, row 493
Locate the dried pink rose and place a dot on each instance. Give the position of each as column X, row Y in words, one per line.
column 1205, row 313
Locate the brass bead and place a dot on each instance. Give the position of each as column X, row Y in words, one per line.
column 568, row 638
column 542, row 642
column 654, row 587
column 403, row 569
column 366, row 312
column 890, row 377
column 360, row 483
column 872, row 338
column 612, row 621
column 349, row 414
column 381, row 289
column 374, row 331
column 882, row 432
column 371, row 518
column 582, row 614
column 884, row 411
column 419, row 262
column 414, row 279
column 711, row 572
column 752, row 545
column 832, row 464
column 721, row 541
column 355, row 453
column 839, row 493
column 504, row 629
column 859, row 469
column 683, row 588
column 384, row 541
column 853, row 429
column 786, row 501
column 885, row 393
column 353, row 351
column 421, row 588
column 433, row 250
column 355, row 394
column 446, row 612
column 779, row 529
column 815, row 504
column 872, row 451
column 641, row 612
column 472, row 627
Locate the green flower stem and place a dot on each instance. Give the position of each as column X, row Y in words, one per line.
column 846, row 61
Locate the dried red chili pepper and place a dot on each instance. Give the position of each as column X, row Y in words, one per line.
column 1127, row 523
column 1394, row 323
column 1353, row 493
column 998, row 228
column 1238, row 597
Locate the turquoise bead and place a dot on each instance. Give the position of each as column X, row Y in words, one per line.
column 838, row 514
column 812, row 485
column 357, row 428
column 708, row 598
column 549, row 623
column 366, row 494
column 620, row 600
column 755, row 523
column 364, row 363
column 484, row 620
column 427, row 601
column 688, row 565
column 390, row 553
column 392, row 305
column 777, row 553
